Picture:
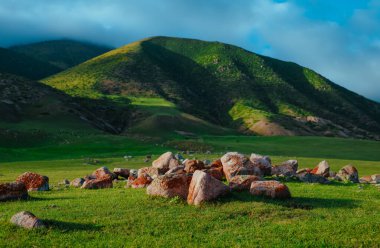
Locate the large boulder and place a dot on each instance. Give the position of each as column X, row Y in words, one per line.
column 242, row 182
column 103, row 172
column 264, row 163
column 26, row 220
column 170, row 185
column 204, row 187
column 34, row 181
column 176, row 170
column 192, row 165
column 237, row 164
column 272, row 189
column 322, row 169
column 287, row 168
column 348, row 173
column 121, row 172
column 308, row 177
column 165, row 162
column 217, row 173
column 99, row 183
column 77, row 182
column 151, row 171
column 13, row 191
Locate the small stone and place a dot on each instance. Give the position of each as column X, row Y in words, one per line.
column 26, row 220
column 77, row 182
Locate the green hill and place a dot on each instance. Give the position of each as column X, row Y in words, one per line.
column 224, row 85
column 20, row 64
column 62, row 54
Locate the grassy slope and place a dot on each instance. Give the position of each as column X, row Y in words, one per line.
column 62, row 54
column 23, row 65
column 317, row 216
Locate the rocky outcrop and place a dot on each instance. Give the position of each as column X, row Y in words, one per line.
column 272, row 189
column 170, row 185
column 242, row 182
column 34, row 181
column 204, row 187
column 26, row 220
column 13, row 191
column 237, row 164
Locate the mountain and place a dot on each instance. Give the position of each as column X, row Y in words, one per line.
column 33, row 112
column 223, row 85
column 62, row 54
column 23, row 65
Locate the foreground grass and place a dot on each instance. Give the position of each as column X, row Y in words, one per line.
column 317, row 216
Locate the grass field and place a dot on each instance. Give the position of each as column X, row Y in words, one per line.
column 336, row 215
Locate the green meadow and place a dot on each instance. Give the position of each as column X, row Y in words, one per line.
column 335, row 215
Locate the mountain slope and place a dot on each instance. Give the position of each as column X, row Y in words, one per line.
column 20, row 64
column 62, row 54
column 227, row 86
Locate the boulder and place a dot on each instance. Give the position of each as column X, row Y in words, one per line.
column 99, row 183
column 242, row 182
column 322, row 169
column 176, row 170
column 165, row 162
column 34, row 181
column 133, row 172
column 287, row 168
column 13, row 191
column 151, row 171
column 376, row 178
column 77, row 182
column 103, row 172
column 348, row 173
column 365, row 179
column 217, row 173
column 237, row 164
column 26, row 220
column 65, row 182
column 192, row 165
column 264, row 163
column 204, row 187
column 142, row 181
column 308, row 177
column 272, row 189
column 121, row 172
column 170, row 185
column 216, row 164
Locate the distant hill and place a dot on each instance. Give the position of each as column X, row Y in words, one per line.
column 62, row 54
column 225, row 85
column 23, row 65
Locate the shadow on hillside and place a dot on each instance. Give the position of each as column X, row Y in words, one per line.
column 306, row 203
column 71, row 226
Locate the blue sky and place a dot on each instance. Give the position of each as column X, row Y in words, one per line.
column 338, row 38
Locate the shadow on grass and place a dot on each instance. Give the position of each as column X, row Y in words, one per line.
column 306, row 203
column 71, row 226
column 33, row 198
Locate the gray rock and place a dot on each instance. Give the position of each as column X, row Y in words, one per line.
column 77, row 182
column 26, row 220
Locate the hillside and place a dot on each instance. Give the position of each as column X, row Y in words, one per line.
column 20, row 64
column 62, row 54
column 225, row 85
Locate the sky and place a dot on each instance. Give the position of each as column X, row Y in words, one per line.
column 339, row 39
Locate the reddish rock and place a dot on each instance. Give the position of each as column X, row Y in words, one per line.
column 77, row 182
column 262, row 162
column 216, row 173
column 151, row 171
column 103, row 172
column 99, row 183
column 13, row 191
column 272, row 189
column 204, row 187
column 322, row 169
column 176, row 170
column 165, row 162
column 376, row 178
column 216, row 164
column 34, row 181
column 365, row 179
column 169, row 186
column 192, row 165
column 348, row 173
column 242, row 182
column 26, row 220
column 237, row 164
column 287, row 168
column 142, row 181
column 121, row 172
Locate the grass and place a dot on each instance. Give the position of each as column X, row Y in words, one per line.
column 336, row 215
